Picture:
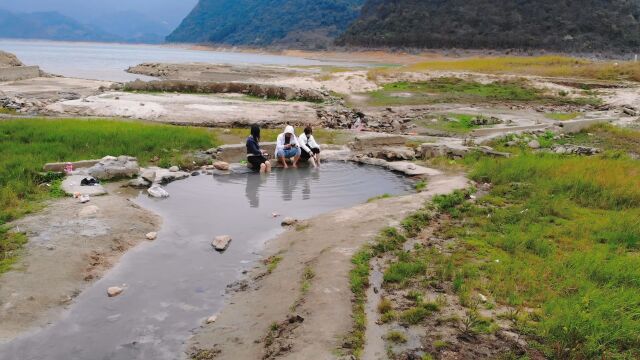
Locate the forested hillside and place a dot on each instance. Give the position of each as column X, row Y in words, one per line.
column 565, row 25
column 307, row 23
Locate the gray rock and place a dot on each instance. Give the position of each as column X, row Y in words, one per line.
column 71, row 186
column 152, row 235
column 111, row 167
column 221, row 243
column 114, row 291
column 164, row 176
column 174, row 169
column 139, row 183
column 149, row 175
column 157, row 192
column 534, row 144
column 221, row 165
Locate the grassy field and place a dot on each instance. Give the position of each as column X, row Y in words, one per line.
column 551, row 66
column 555, row 245
column 455, row 90
column 26, row 145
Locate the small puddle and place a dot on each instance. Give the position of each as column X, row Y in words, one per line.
column 177, row 281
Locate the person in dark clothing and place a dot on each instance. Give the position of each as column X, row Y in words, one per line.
column 255, row 156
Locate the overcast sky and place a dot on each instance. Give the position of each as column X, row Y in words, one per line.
column 172, row 11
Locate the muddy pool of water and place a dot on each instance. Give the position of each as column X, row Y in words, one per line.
column 178, row 280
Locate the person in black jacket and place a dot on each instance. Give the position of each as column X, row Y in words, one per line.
column 255, row 156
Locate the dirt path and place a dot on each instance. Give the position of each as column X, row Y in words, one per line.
column 317, row 253
column 66, row 252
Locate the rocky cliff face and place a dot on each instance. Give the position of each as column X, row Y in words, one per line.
column 9, row 60
column 300, row 23
column 565, row 25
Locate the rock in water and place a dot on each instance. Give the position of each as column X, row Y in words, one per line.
column 89, row 211
column 221, row 165
column 221, row 243
column 157, row 192
column 289, row 221
column 114, row 291
column 534, row 144
column 212, row 319
column 151, row 235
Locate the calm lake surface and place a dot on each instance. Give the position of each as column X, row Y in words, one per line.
column 104, row 61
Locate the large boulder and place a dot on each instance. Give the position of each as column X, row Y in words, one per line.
column 111, row 167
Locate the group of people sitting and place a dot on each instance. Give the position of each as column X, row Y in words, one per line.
column 288, row 148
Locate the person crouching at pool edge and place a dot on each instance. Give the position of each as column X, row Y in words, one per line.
column 255, row 156
column 309, row 147
column 287, row 147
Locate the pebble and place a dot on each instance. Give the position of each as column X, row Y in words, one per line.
column 157, row 192
column 221, row 242
column 151, row 235
column 212, row 319
column 221, row 165
column 174, row 169
column 114, row 291
column 534, row 144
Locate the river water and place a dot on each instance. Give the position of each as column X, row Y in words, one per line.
column 178, row 280
column 107, row 61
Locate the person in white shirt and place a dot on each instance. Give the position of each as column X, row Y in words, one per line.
column 309, row 146
column 287, row 147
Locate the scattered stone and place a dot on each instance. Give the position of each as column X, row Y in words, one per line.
column 50, row 247
column 151, row 236
column 149, row 175
column 114, row 291
column 164, row 176
column 195, row 173
column 221, row 165
column 289, row 221
column 212, row 319
column 83, row 199
column 174, row 169
column 575, row 150
column 139, row 183
column 157, row 192
column 115, row 167
column 89, row 211
column 534, row 144
column 482, row 298
column 221, row 243
column 630, row 111
column 275, row 214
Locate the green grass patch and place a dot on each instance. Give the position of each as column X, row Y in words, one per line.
column 559, row 234
column 272, row 263
column 396, row 336
column 6, row 111
column 417, row 314
column 551, row 66
column 562, row 116
column 27, row 144
column 456, row 90
column 379, row 197
column 400, row 272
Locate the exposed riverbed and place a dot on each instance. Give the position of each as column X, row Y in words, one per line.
column 175, row 282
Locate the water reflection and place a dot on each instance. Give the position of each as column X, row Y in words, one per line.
column 287, row 182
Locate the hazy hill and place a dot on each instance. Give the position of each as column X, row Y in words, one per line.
column 566, row 25
column 48, row 25
column 266, row 22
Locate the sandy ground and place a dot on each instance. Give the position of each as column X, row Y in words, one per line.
column 52, row 88
column 211, row 110
column 66, row 253
column 326, row 247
